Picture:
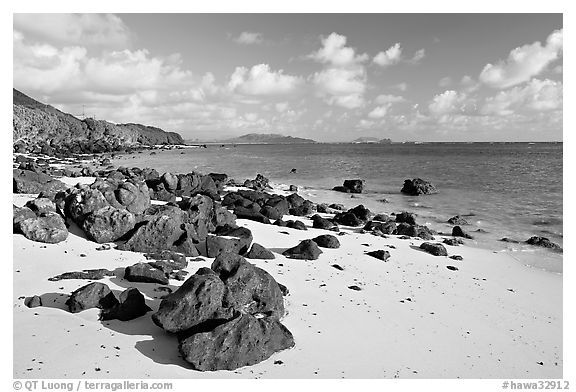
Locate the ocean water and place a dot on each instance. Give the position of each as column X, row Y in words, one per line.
column 509, row 190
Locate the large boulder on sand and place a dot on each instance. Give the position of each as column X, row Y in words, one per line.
column 198, row 300
column 243, row 341
column 108, row 224
column 417, row 187
column 48, row 227
column 249, row 289
column 434, row 249
column 327, row 241
column 305, row 250
column 131, row 305
column 93, row 295
column 26, row 181
column 145, row 273
column 259, row 252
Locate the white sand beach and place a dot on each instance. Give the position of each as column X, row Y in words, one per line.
column 412, row 318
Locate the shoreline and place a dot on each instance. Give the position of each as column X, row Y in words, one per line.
column 491, row 318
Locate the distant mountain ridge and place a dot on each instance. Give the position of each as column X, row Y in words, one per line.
column 271, row 138
column 367, row 139
column 37, row 125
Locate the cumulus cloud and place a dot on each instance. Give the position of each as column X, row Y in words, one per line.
column 535, row 96
column 449, row 102
column 389, row 99
column 85, row 29
column 335, row 52
column 393, row 55
column 378, row 112
column 342, row 82
column 445, row 81
column 260, row 80
column 390, row 57
column 523, row 63
column 249, row 38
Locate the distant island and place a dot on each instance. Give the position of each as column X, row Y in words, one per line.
column 362, row 140
column 271, row 138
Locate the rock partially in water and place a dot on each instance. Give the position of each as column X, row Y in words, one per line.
column 417, row 187
column 543, row 242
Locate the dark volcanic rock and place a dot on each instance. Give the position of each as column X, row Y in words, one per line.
column 506, row 239
column 296, row 224
column 94, row 274
column 198, row 300
column 458, row 232
column 327, row 241
column 543, row 242
column 20, row 214
column 351, row 186
column 321, row 223
column 243, row 341
column 145, row 273
column 177, row 259
column 249, row 289
column 93, row 295
column 259, row 252
column 307, row 250
column 452, row 268
column 108, row 224
column 347, row 219
column 456, row 257
column 228, row 239
column 380, row 254
column 41, row 205
column 361, row 212
column 245, row 213
column 26, row 181
column 457, row 220
column 33, row 302
column 83, row 201
column 413, row 231
column 453, row 241
column 260, row 183
column 434, row 249
column 304, row 209
column 49, row 228
column 380, row 227
column 417, row 187
column 131, row 305
column 406, row 217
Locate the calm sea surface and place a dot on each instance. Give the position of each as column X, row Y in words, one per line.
column 507, row 190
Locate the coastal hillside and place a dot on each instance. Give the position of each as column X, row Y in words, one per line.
column 271, row 138
column 40, row 127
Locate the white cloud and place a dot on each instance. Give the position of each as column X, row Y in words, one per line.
column 449, row 102
column 536, row 96
column 85, row 29
column 390, row 57
column 401, row 86
column 260, row 80
column 378, row 112
column 523, row 63
column 335, row 52
column 281, row 106
column 252, row 117
column 393, row 55
column 249, row 38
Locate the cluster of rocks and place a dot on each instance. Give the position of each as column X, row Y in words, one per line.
column 226, row 316
column 39, row 221
column 351, row 186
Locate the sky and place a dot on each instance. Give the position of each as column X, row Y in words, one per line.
column 328, row 77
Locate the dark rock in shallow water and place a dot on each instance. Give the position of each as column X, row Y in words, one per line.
column 380, row 254
column 145, row 273
column 131, row 305
column 293, row 188
column 543, row 242
column 48, row 228
column 351, row 186
column 458, row 232
column 306, row 250
column 94, row 274
column 198, row 300
column 457, row 220
column 506, row 239
column 259, row 252
column 93, row 295
column 453, row 241
column 26, row 181
column 434, row 249
column 260, row 183
column 417, row 187
column 243, row 341
column 33, row 302
column 406, row 217
column 327, row 241
column 108, row 224
column 249, row 289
